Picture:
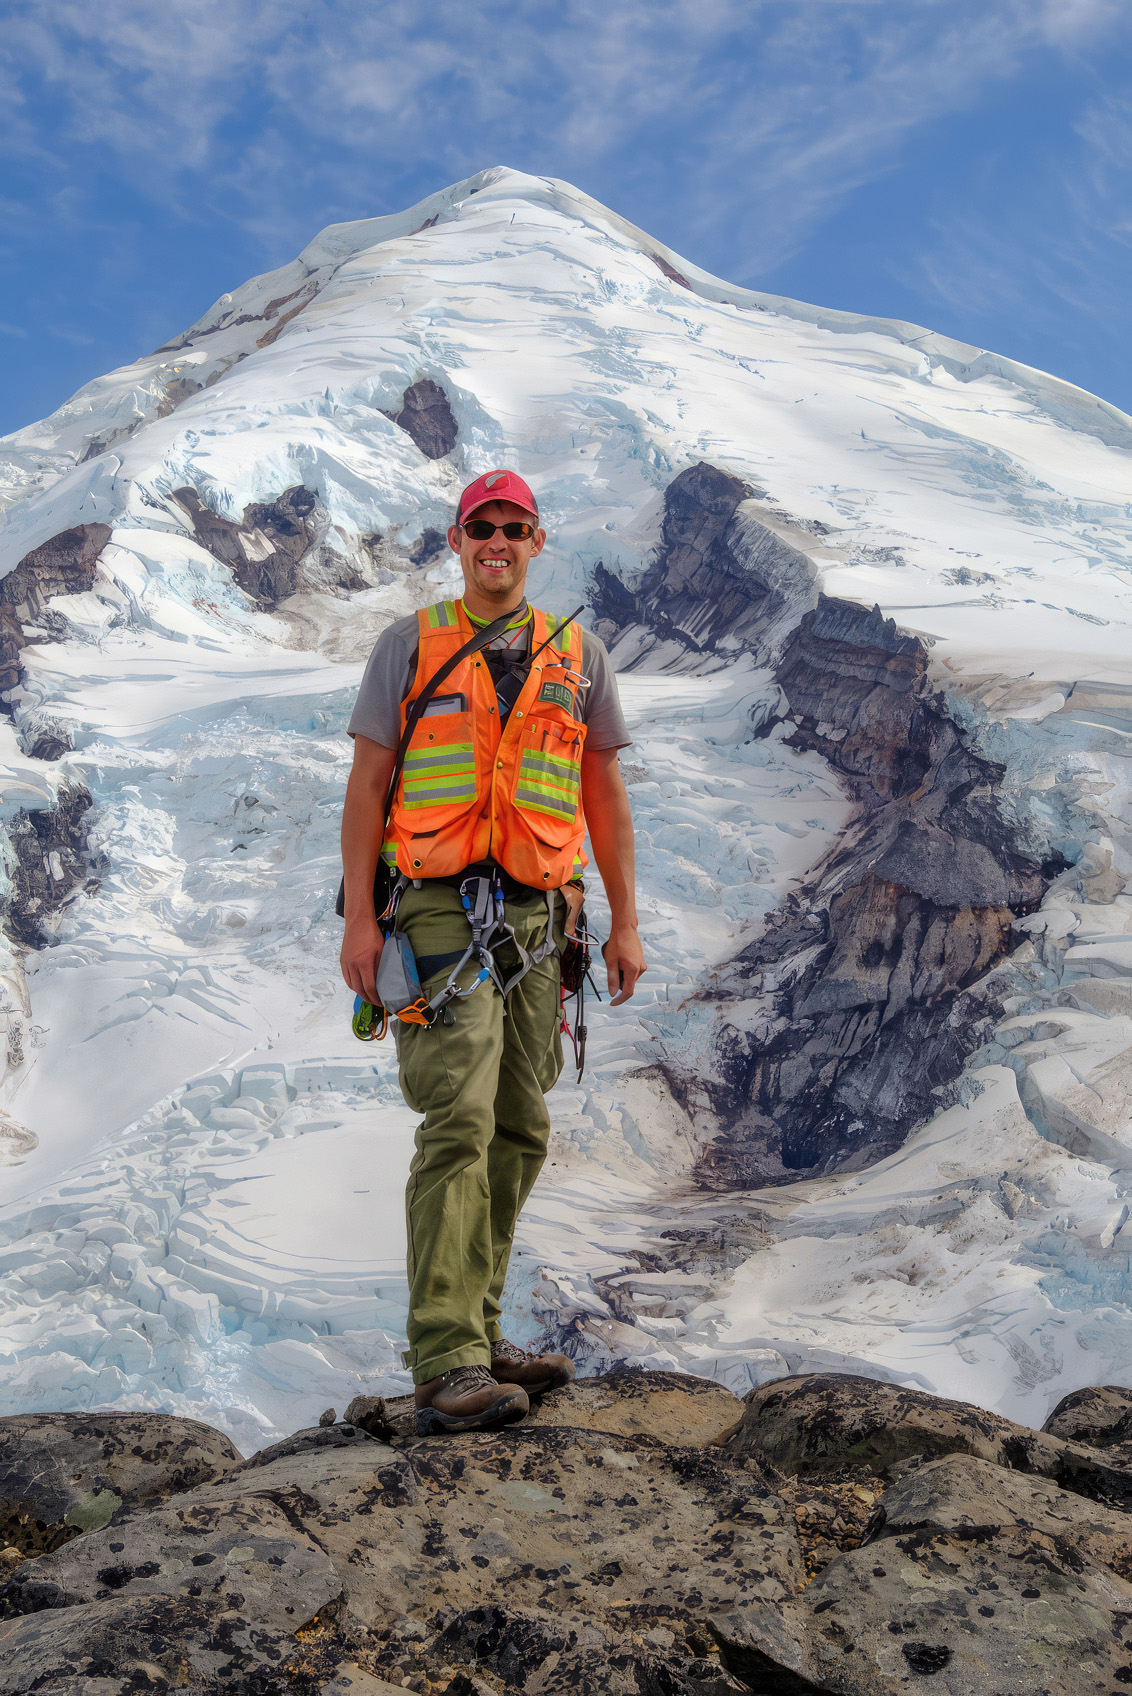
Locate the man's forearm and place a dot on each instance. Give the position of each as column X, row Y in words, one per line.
column 363, row 825
column 363, row 818
column 611, row 837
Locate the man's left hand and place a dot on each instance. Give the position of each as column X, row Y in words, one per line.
column 624, row 962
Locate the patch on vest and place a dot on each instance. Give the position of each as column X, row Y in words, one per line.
column 560, row 694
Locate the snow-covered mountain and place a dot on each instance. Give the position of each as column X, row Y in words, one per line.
column 872, row 1107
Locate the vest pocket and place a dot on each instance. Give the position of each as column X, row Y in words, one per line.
column 548, row 780
column 440, row 766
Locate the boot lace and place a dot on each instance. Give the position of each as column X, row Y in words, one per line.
column 466, row 1379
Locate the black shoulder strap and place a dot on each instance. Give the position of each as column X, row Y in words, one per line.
column 481, row 639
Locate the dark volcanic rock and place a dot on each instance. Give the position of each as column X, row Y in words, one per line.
column 62, row 1473
column 64, row 565
column 49, row 844
column 265, row 549
column 369, row 1414
column 426, row 416
column 720, row 573
column 12, row 643
column 428, row 545
column 49, row 745
column 855, row 687
column 873, row 979
column 553, row 1559
column 696, row 569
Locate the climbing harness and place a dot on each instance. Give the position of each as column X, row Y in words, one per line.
column 398, row 982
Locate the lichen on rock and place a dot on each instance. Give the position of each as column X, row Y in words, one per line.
column 876, row 1536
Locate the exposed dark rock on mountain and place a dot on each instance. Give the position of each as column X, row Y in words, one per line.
column 175, row 392
column 428, row 545
column 301, row 299
column 51, row 860
column 63, row 565
column 669, row 270
column 426, row 416
column 721, row 577
column 855, row 684
column 873, row 979
column 12, row 642
column 817, row 1550
column 304, row 294
column 48, row 744
column 265, row 549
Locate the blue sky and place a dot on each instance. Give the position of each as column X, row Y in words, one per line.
column 966, row 164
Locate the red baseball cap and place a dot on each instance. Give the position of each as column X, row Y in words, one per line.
column 495, row 486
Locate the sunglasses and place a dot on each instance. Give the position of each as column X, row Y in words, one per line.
column 482, row 530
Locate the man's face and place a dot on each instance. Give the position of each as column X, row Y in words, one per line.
column 496, row 570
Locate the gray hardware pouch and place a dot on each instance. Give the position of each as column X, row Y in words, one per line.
column 398, row 982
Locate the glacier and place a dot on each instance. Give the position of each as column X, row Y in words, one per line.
column 201, row 1169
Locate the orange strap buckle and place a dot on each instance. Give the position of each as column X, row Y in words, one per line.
column 416, row 1014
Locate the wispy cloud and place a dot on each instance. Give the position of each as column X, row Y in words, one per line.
column 1049, row 255
column 763, row 114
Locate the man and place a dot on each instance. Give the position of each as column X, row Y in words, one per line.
column 513, row 757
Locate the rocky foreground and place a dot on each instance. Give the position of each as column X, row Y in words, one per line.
column 643, row 1533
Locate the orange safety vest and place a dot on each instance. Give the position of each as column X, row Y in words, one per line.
column 468, row 793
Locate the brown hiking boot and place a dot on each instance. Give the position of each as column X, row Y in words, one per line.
column 537, row 1373
column 467, row 1399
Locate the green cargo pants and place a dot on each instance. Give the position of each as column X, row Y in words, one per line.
column 480, row 1084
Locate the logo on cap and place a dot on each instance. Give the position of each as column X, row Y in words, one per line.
column 493, row 478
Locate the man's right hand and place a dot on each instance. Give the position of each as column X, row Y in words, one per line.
column 361, row 951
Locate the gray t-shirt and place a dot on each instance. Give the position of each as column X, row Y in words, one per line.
column 392, row 666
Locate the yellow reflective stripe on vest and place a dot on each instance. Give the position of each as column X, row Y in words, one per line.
column 547, row 784
column 389, row 853
column 435, row 776
column 554, row 624
column 443, row 616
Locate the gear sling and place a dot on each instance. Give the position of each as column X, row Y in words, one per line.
column 511, row 791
